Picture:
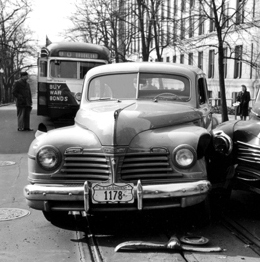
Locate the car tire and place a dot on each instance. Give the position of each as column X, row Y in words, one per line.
column 203, row 212
column 199, row 215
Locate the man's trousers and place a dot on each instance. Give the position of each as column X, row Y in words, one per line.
column 23, row 115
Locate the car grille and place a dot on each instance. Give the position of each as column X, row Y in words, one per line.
column 146, row 166
column 247, row 152
column 131, row 166
column 87, row 166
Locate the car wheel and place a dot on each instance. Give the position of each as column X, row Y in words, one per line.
column 56, row 216
column 220, row 197
column 199, row 215
column 203, row 212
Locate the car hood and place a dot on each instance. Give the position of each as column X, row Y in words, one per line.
column 256, row 110
column 119, row 122
column 247, row 131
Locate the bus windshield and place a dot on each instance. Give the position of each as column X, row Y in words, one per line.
column 71, row 69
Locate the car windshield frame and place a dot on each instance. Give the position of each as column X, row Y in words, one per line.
column 141, row 86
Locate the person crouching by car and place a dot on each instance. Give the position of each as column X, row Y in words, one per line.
column 23, row 98
column 243, row 98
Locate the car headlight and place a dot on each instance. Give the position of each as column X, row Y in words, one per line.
column 184, row 156
column 222, row 143
column 48, row 158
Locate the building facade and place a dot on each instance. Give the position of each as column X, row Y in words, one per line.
column 188, row 35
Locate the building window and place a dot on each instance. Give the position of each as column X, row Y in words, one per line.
column 183, row 5
column 182, row 28
column 167, row 59
column 182, row 59
column 238, row 61
column 225, row 15
column 240, row 12
column 191, row 27
column 225, row 62
column 169, row 8
column 211, row 25
column 254, row 8
column 192, row 4
column 252, row 56
column 200, row 60
column 190, row 58
column 201, row 25
column 211, row 63
column 174, row 59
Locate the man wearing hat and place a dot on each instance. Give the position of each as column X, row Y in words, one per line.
column 23, row 97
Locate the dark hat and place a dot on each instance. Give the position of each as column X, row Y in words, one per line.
column 23, row 74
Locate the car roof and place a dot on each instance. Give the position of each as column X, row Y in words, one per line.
column 146, row 67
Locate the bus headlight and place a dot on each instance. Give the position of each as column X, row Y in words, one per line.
column 184, row 156
column 78, row 96
column 48, row 158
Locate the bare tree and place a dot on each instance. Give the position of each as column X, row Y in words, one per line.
column 153, row 21
column 227, row 24
column 100, row 22
column 117, row 24
column 15, row 42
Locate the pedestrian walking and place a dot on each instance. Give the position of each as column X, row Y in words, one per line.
column 23, row 98
column 243, row 98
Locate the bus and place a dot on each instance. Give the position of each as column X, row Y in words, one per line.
column 61, row 70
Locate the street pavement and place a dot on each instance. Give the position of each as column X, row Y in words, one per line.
column 33, row 239
column 29, row 238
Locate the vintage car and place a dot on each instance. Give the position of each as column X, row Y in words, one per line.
column 139, row 142
column 238, row 151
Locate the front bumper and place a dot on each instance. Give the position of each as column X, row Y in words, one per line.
column 78, row 198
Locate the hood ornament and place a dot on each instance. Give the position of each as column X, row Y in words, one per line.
column 116, row 113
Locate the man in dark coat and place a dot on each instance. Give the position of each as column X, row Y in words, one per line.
column 23, row 97
column 243, row 98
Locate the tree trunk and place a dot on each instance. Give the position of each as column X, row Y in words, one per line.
column 222, row 88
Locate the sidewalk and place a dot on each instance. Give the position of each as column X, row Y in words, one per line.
column 13, row 103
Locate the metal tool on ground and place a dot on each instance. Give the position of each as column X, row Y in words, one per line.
column 173, row 244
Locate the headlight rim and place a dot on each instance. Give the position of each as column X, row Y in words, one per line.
column 58, row 155
column 191, row 149
column 221, row 135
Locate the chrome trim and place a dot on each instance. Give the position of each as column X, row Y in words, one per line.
column 139, row 193
column 248, row 152
column 225, row 138
column 38, row 193
column 253, row 112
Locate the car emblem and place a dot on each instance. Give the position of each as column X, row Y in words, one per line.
column 74, row 150
column 113, row 150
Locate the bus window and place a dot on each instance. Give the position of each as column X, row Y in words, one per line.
column 43, row 68
column 64, row 69
column 86, row 66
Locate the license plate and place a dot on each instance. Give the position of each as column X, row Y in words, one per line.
column 112, row 193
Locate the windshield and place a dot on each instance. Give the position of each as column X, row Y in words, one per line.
column 139, row 86
column 71, row 69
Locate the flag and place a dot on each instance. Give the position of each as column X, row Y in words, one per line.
column 48, row 41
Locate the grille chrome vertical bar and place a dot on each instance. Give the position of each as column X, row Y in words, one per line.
column 139, row 191
column 86, row 195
